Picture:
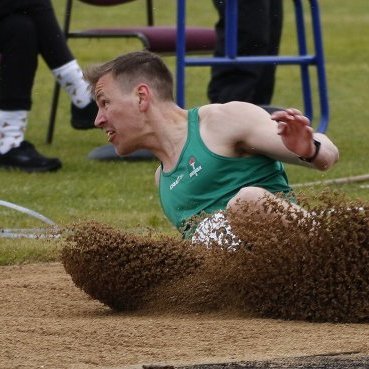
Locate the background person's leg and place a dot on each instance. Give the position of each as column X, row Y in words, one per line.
column 18, row 48
column 256, row 18
column 61, row 61
column 51, row 39
column 265, row 87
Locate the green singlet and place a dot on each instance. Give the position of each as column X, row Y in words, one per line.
column 203, row 181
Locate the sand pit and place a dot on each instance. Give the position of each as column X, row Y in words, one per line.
column 46, row 322
column 311, row 268
column 281, row 302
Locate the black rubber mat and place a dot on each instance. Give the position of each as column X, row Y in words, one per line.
column 341, row 361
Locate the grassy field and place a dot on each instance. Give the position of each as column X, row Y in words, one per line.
column 123, row 194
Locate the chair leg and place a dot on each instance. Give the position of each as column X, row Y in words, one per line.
column 54, row 106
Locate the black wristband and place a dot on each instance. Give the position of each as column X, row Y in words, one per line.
column 312, row 158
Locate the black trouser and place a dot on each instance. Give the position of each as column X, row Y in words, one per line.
column 27, row 28
column 259, row 33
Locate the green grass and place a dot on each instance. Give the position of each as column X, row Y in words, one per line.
column 123, row 194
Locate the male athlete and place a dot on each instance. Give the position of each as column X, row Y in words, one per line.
column 213, row 157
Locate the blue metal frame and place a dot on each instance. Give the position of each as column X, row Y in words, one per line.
column 304, row 59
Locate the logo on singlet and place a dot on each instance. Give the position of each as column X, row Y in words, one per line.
column 193, row 169
column 179, row 178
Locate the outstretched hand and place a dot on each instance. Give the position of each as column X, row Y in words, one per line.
column 295, row 131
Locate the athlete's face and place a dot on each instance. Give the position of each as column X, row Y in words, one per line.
column 119, row 114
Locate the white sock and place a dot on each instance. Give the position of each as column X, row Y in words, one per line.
column 70, row 78
column 12, row 127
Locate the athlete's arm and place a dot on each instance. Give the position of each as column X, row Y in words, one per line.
column 252, row 129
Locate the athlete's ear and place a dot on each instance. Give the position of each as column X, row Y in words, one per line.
column 143, row 94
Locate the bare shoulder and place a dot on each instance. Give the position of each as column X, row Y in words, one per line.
column 226, row 128
column 233, row 114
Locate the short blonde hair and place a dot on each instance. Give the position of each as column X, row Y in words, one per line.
column 135, row 67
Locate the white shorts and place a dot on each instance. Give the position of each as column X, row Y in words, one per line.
column 216, row 230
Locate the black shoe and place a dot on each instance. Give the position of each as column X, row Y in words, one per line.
column 84, row 118
column 25, row 157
